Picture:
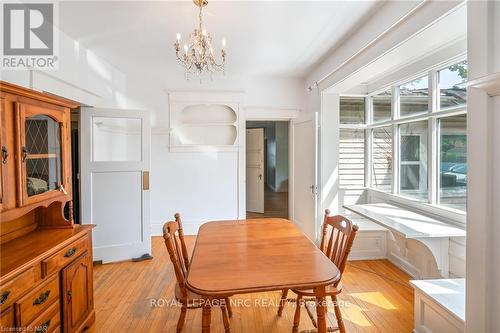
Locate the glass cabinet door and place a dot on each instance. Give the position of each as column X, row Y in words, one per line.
column 42, row 154
column 43, row 145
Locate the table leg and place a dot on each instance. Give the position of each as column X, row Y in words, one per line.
column 206, row 318
column 321, row 309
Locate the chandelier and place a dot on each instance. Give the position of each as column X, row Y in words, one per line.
column 198, row 56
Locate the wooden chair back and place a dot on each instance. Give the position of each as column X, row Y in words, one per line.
column 338, row 236
column 184, row 251
column 173, row 242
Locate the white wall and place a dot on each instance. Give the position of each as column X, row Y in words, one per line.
column 202, row 186
column 483, row 194
column 82, row 75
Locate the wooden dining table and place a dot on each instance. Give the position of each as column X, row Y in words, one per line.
column 257, row 255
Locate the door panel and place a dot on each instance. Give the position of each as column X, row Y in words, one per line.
column 115, row 153
column 255, row 170
column 110, row 214
column 77, row 292
column 304, row 173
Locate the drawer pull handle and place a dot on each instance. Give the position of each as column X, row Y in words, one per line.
column 70, row 295
column 5, row 154
column 4, row 296
column 70, row 252
column 42, row 298
column 44, row 327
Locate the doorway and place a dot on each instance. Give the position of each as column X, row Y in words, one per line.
column 267, row 169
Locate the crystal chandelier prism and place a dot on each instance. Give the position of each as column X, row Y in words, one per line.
column 197, row 56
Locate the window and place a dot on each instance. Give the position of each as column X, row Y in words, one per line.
column 382, row 158
column 381, row 104
column 352, row 158
column 413, row 160
column 452, row 91
column 417, row 147
column 453, row 161
column 414, row 97
column 352, row 110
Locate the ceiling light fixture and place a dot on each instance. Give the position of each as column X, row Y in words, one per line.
column 198, row 56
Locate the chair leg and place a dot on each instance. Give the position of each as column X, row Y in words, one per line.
column 284, row 293
column 338, row 314
column 228, row 307
column 225, row 319
column 296, row 317
column 182, row 318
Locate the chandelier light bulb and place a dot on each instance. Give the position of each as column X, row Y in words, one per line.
column 199, row 55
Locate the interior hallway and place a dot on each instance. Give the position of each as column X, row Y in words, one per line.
column 275, row 205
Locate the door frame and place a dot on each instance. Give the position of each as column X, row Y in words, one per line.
column 259, row 114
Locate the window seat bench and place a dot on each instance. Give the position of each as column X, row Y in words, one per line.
column 434, row 234
column 439, row 305
column 371, row 240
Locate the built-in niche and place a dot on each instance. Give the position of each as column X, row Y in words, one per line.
column 200, row 126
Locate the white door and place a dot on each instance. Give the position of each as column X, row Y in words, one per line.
column 255, row 170
column 115, row 160
column 304, row 176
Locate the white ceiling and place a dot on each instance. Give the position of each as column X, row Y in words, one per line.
column 263, row 38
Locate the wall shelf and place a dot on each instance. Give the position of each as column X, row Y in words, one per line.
column 203, row 123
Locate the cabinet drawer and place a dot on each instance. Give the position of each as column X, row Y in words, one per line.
column 7, row 320
column 33, row 304
column 62, row 258
column 47, row 322
column 14, row 288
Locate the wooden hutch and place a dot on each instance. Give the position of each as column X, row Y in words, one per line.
column 46, row 282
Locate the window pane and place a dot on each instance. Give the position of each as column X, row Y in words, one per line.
column 452, row 90
column 414, row 97
column 43, row 159
column 116, row 139
column 382, row 106
column 352, row 158
column 413, row 160
column 382, row 159
column 352, row 110
column 453, row 162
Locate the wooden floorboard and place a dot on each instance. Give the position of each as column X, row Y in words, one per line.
column 377, row 297
column 275, row 205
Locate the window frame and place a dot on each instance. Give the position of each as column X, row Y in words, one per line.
column 432, row 116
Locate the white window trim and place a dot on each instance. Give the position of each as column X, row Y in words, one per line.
column 432, row 207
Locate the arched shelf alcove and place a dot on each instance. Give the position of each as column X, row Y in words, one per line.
column 208, row 114
column 208, row 123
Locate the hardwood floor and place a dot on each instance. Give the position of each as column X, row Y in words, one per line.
column 377, row 298
column 275, row 205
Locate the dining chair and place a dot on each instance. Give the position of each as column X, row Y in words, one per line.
column 176, row 247
column 337, row 237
